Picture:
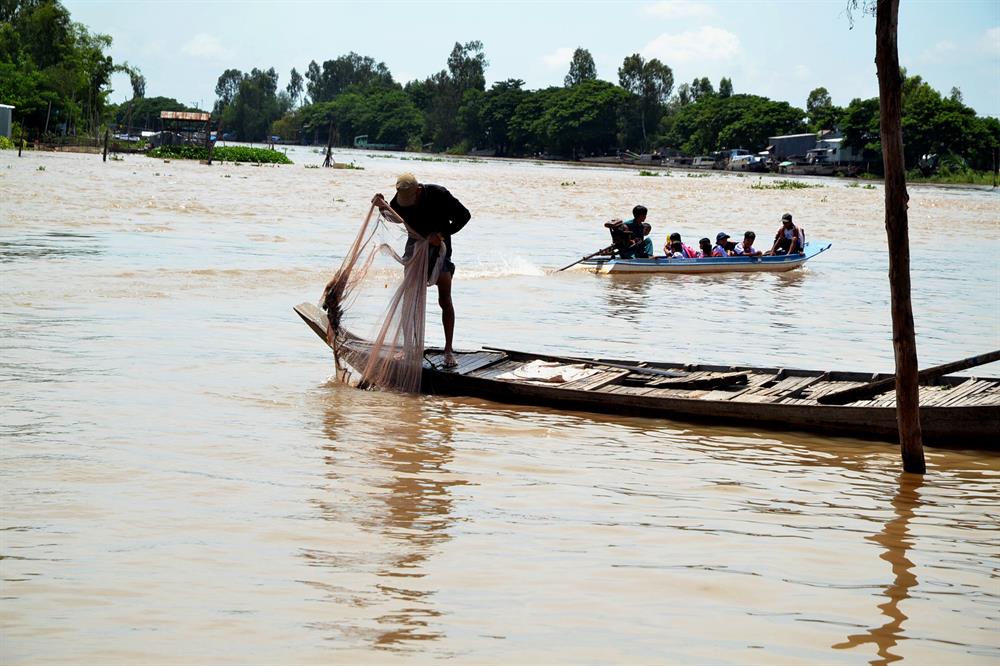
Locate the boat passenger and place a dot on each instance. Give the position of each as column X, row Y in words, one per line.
column 789, row 239
column 636, row 244
column 720, row 249
column 704, row 248
column 688, row 251
column 745, row 248
column 676, row 250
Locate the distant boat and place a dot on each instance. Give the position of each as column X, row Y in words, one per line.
column 361, row 142
column 954, row 411
column 776, row 264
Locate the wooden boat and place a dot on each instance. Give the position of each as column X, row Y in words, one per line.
column 957, row 412
column 777, row 264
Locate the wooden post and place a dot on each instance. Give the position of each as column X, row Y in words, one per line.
column 104, row 156
column 896, row 228
column 208, row 140
column 328, row 160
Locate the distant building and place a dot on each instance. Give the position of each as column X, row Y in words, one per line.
column 838, row 153
column 790, row 145
column 6, row 113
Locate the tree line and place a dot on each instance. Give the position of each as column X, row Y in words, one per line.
column 58, row 75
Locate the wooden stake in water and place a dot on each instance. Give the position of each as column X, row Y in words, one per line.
column 104, row 156
column 896, row 227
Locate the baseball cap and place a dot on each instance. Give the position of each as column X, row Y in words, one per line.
column 722, row 235
column 406, row 189
column 787, row 217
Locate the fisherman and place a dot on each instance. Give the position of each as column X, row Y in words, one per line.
column 789, row 239
column 434, row 213
column 631, row 236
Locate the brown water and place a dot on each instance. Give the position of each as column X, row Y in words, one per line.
column 181, row 482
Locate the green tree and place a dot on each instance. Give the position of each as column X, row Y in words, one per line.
column 650, row 83
column 343, row 73
column 444, row 92
column 581, row 68
column 226, row 89
column 499, row 106
column 746, row 121
column 822, row 113
column 701, row 88
column 295, row 87
column 583, row 119
column 255, row 106
column 725, row 87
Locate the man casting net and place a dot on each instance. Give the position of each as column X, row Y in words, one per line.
column 426, row 216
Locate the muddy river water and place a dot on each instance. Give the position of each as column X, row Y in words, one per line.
column 181, row 481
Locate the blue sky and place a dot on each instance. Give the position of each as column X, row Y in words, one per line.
column 780, row 49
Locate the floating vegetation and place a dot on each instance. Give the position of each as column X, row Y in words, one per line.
column 698, row 175
column 866, row 186
column 352, row 165
column 783, row 185
column 568, row 183
column 425, row 159
column 643, row 172
column 222, row 154
column 312, row 166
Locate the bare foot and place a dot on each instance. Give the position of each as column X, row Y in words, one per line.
column 449, row 360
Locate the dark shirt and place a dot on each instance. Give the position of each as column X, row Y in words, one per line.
column 435, row 210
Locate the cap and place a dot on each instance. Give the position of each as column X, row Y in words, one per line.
column 721, row 236
column 406, row 189
column 406, row 181
column 675, row 236
column 787, row 217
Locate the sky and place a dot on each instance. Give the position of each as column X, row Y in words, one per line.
column 780, row 49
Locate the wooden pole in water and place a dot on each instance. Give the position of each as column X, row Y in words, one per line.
column 890, row 83
column 104, row 157
column 328, row 161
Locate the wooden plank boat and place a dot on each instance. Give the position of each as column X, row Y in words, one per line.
column 956, row 412
column 777, row 264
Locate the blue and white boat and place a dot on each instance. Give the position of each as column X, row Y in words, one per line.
column 777, row 264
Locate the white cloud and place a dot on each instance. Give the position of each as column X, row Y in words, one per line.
column 559, row 58
column 990, row 43
column 940, row 52
column 675, row 9
column 206, row 47
column 707, row 43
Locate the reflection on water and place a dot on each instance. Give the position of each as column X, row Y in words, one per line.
column 49, row 245
column 895, row 539
column 406, row 504
column 625, row 296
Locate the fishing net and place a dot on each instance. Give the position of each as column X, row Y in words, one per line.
column 393, row 356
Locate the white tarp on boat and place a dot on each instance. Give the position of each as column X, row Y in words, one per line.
column 549, row 372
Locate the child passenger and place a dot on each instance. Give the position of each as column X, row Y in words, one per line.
column 720, row 249
column 745, row 247
column 704, row 248
column 685, row 250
